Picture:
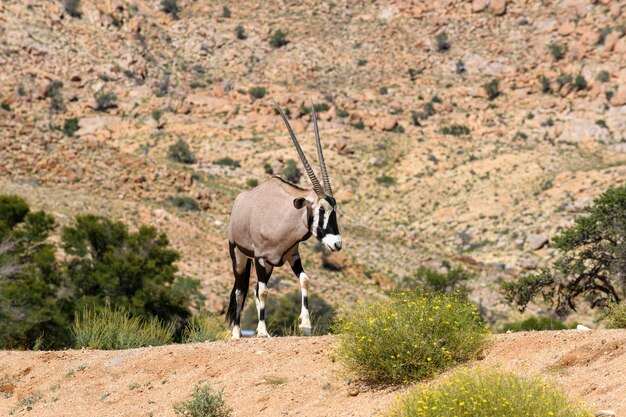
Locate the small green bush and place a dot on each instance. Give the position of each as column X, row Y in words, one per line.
column 156, row 114
column 228, row 162
column 359, row 125
column 319, row 108
column 451, row 280
column 557, row 50
column 292, row 172
column 226, row 12
column 257, row 92
column 72, row 7
column 564, row 79
column 70, row 126
column 278, row 39
column 240, row 32
column 383, row 90
column 603, row 76
column 361, row 62
column 5, row 106
column 546, row 84
column 615, row 317
column 342, row 113
column 441, row 42
column 105, row 100
column 460, row 67
column 534, row 323
column 184, row 203
column 171, row 7
column 385, row 180
column 580, row 83
column 180, row 152
column 252, row 182
column 492, row 89
column 205, row 328
column 488, row 393
column 111, row 329
column 267, row 168
column 409, row 337
column 455, row 130
column 206, row 402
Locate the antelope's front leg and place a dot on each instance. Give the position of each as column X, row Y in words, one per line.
column 305, row 319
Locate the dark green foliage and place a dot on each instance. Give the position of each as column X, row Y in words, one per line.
column 604, row 32
column 257, row 92
column 441, row 42
column 592, row 262
column 240, row 32
column 72, row 7
column 413, row 73
column 292, row 173
column 252, row 182
column 228, row 162
column 451, row 280
column 70, row 126
column 171, row 7
column 5, row 106
column 342, row 113
column 319, row 108
column 225, row 12
column 601, row 123
column 534, row 323
column 278, row 39
column 361, row 62
column 546, row 84
column 105, row 264
column 615, row 317
column 603, row 76
column 184, row 203
column 267, row 167
column 284, row 313
column 492, row 89
column 455, row 130
column 563, row 80
column 385, row 180
column 359, row 125
column 105, row 100
column 180, row 152
column 383, row 90
column 53, row 92
column 156, row 114
column 580, row 83
column 206, row 402
column 557, row 50
column 460, row 67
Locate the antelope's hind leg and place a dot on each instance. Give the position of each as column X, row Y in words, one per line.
column 263, row 273
column 241, row 270
column 305, row 319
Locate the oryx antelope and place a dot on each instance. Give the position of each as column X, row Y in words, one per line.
column 266, row 226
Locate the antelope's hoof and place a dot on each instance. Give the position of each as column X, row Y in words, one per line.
column 263, row 334
column 306, row 331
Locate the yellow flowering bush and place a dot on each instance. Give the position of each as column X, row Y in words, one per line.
column 409, row 336
column 488, row 393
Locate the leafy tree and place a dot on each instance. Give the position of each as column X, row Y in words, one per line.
column 451, row 280
column 592, row 265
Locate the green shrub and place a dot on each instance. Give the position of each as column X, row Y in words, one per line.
column 252, row 182
column 105, row 100
column 226, row 12
column 257, row 92
column 383, row 90
column 557, row 50
column 70, row 126
column 72, row 7
column 603, row 76
column 5, row 106
column 580, row 83
column 455, row 130
column 240, row 32
column 492, row 89
column 156, row 114
column 488, row 393
column 359, row 125
column 228, row 162
column 563, row 80
column 385, row 180
column 361, row 62
column 342, row 113
column 453, row 279
column 171, row 7
column 278, row 39
column 615, row 317
column 460, row 67
column 602, row 123
column 184, row 203
column 441, row 42
column 206, row 402
column 180, row 152
column 546, row 84
column 267, row 168
column 205, row 328
column 111, row 329
column 409, row 337
column 534, row 323
column 283, row 314
column 319, row 108
column 292, row 172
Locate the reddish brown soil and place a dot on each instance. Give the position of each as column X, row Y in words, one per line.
column 281, row 376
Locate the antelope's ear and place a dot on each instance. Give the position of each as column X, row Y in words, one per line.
column 301, row 202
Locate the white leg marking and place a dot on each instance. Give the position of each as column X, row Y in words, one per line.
column 236, row 333
column 261, row 330
column 305, row 320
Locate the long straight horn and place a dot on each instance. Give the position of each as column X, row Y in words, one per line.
column 320, row 154
column 316, row 184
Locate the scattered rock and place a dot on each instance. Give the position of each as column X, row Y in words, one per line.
column 498, row 7
column 479, row 5
column 353, row 392
column 605, row 413
column 583, row 328
column 537, row 241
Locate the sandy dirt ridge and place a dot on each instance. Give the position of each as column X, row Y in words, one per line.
column 281, row 376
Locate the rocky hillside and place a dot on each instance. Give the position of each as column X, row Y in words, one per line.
column 462, row 130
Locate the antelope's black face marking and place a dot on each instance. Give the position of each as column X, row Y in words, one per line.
column 325, row 226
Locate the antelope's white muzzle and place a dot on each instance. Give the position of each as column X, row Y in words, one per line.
column 332, row 242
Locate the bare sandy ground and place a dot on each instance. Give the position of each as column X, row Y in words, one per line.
column 281, row 376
